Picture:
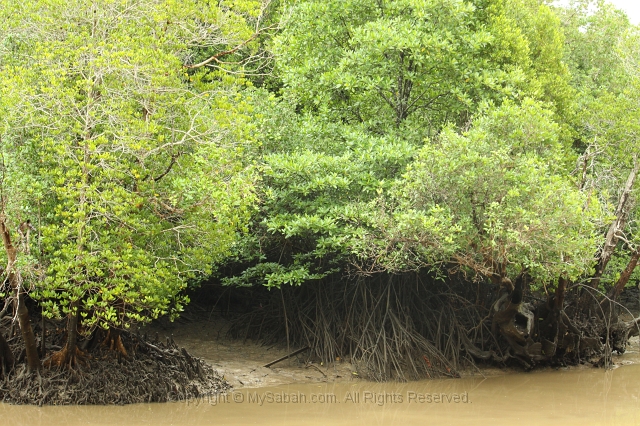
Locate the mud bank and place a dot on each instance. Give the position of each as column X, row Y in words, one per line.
column 242, row 362
column 150, row 370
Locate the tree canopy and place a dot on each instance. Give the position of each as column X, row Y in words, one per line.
column 126, row 163
column 145, row 143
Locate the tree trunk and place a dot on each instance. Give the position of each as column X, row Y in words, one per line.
column 72, row 334
column 560, row 292
column 68, row 356
column 43, row 347
column 624, row 277
column 611, row 240
column 6, row 356
column 31, row 347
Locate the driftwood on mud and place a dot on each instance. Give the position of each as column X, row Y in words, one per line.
column 294, row 353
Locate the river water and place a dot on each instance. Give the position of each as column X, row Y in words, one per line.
column 573, row 397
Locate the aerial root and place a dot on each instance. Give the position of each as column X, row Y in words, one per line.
column 412, row 327
column 64, row 358
column 153, row 372
column 114, row 342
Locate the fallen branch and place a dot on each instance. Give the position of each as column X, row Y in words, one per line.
column 294, row 353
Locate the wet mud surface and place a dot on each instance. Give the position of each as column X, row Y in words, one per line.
column 241, row 361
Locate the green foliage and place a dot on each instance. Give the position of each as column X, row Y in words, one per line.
column 593, row 33
column 509, row 201
column 381, row 63
column 365, row 82
column 315, row 205
column 141, row 178
column 393, row 135
column 603, row 56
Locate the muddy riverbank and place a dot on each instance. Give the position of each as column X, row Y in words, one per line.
column 241, row 361
column 172, row 371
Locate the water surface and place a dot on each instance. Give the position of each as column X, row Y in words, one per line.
column 576, row 397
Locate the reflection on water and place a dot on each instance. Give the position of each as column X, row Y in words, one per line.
column 587, row 397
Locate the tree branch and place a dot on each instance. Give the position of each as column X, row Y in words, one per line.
column 217, row 56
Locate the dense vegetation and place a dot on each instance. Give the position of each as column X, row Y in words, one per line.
column 415, row 181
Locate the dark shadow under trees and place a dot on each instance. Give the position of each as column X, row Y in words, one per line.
column 412, row 326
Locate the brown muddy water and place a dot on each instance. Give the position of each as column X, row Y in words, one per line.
column 571, row 397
